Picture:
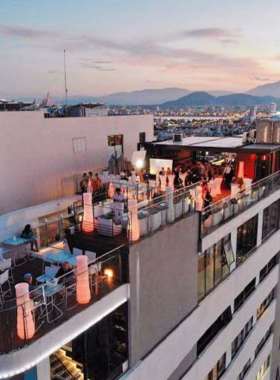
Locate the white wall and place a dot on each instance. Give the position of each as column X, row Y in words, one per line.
column 13, row 222
column 36, row 154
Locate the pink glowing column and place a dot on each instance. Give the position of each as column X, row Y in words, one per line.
column 88, row 225
column 134, row 223
column 111, row 191
column 25, row 320
column 241, row 170
column 83, row 289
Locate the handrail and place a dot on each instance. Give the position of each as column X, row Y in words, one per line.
column 252, row 186
column 72, row 272
column 226, row 208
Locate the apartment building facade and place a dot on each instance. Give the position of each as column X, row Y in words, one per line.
column 193, row 301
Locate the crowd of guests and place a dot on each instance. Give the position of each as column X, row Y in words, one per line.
column 202, row 172
column 94, row 181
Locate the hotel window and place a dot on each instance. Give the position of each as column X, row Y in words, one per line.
column 239, row 340
column 142, row 137
column 246, row 238
column 262, row 372
column 263, row 341
column 100, row 352
column 265, row 304
column 270, row 219
column 219, row 369
column 244, row 370
column 246, row 292
column 221, row 322
column 267, row 268
column 213, row 265
column 79, row 145
column 115, row 145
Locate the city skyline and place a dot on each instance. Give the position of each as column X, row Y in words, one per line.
column 125, row 46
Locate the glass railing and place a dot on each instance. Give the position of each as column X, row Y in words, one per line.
column 29, row 317
column 165, row 210
column 227, row 208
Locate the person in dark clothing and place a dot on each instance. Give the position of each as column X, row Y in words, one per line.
column 65, row 271
column 84, row 183
column 27, row 233
column 207, row 199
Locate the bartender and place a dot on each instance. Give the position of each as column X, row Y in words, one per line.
column 118, row 203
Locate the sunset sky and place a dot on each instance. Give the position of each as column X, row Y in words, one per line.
column 126, row 45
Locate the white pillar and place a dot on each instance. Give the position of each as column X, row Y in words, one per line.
column 170, row 205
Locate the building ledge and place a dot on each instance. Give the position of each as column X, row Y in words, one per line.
column 23, row 359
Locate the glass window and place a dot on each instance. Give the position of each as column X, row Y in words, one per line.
column 214, row 265
column 219, row 369
column 267, row 268
column 100, row 351
column 246, row 238
column 271, row 219
column 223, row 320
column 244, row 370
column 263, row 341
column 246, row 292
column 79, row 145
column 265, row 304
column 115, row 145
column 201, row 277
column 209, row 270
column 239, row 340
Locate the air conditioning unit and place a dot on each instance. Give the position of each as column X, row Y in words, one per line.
column 177, row 137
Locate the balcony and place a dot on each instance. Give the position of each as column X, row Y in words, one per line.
column 26, row 319
column 231, row 206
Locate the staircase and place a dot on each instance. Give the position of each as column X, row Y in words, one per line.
column 64, row 367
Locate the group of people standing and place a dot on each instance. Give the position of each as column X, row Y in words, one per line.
column 94, row 181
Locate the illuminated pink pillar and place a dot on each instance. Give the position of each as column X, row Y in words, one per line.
column 241, row 170
column 25, row 320
column 83, row 289
column 134, row 223
column 88, row 225
column 111, row 191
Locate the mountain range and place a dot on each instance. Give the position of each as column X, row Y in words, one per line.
column 205, row 99
column 259, row 95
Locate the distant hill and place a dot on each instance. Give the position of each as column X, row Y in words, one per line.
column 219, row 93
column 144, row 97
column 205, row 99
column 194, row 99
column 269, row 89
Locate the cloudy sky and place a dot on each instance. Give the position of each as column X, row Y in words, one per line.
column 126, row 45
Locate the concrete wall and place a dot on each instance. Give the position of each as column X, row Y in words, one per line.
column 37, row 162
column 164, row 284
column 185, row 364
column 275, row 354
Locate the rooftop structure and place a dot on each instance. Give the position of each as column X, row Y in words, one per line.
column 160, row 287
